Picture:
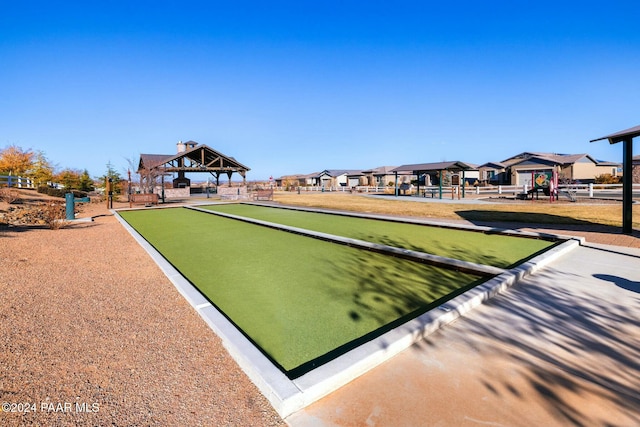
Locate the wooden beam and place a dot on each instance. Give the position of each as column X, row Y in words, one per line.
column 212, row 162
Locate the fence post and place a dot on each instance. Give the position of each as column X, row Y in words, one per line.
column 499, row 189
column 70, row 206
column 591, row 190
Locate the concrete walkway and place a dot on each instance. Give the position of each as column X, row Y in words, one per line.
column 560, row 348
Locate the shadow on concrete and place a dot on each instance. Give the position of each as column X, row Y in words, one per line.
column 568, row 346
column 627, row 284
column 517, row 220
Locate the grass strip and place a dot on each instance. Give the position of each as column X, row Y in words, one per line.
column 480, row 248
column 452, row 263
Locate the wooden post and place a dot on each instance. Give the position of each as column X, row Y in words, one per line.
column 109, row 189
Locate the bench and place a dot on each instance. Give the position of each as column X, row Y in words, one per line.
column 431, row 191
column 263, row 194
column 145, row 199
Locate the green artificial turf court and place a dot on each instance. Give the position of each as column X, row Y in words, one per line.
column 490, row 249
column 301, row 300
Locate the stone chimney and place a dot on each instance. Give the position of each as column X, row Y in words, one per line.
column 182, row 147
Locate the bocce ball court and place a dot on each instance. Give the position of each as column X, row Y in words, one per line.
column 307, row 287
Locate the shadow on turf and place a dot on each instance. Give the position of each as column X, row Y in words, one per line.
column 387, row 290
column 515, row 220
column 569, row 325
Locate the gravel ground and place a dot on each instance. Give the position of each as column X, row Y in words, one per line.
column 92, row 333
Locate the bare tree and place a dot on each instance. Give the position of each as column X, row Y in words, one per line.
column 148, row 175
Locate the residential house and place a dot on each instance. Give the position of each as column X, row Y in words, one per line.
column 297, row 180
column 380, row 176
column 427, row 174
column 332, row 178
column 518, row 170
column 493, row 173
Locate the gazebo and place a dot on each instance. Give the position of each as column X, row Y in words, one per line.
column 191, row 157
column 425, row 168
column 626, row 137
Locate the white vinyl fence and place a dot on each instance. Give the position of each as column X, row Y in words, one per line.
column 15, row 182
column 571, row 190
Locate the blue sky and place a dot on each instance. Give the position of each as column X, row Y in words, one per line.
column 297, row 87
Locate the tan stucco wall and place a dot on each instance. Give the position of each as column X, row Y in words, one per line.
column 589, row 171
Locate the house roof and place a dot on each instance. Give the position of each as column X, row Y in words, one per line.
column 424, row 167
column 555, row 158
column 548, row 157
column 607, row 163
column 494, row 165
column 338, row 172
column 380, row 170
column 518, row 157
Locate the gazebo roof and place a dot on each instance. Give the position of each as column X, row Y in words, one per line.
column 620, row 136
column 150, row 161
column 200, row 158
column 625, row 136
column 425, row 167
